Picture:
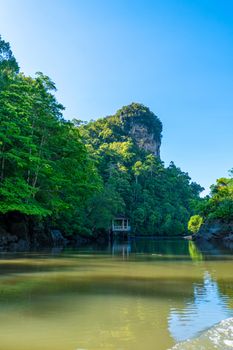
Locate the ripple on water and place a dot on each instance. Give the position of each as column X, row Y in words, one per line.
column 207, row 309
column 218, row 337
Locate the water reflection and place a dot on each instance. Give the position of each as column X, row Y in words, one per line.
column 169, row 247
column 174, row 249
column 139, row 294
column 123, row 249
column 214, row 248
column 207, row 308
column 211, row 300
column 194, row 252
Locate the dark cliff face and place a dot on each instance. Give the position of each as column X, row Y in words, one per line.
column 143, row 126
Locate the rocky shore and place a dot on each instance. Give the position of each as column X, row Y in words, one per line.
column 19, row 233
column 215, row 231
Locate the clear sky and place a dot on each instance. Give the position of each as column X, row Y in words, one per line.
column 174, row 56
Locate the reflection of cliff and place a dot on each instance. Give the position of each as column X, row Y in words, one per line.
column 208, row 308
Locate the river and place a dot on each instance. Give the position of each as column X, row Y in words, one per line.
column 143, row 294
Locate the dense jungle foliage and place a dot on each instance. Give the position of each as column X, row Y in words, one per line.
column 44, row 166
column 78, row 176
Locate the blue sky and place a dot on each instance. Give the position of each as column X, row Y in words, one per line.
column 175, row 56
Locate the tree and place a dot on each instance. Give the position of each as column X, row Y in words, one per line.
column 195, row 223
column 7, row 59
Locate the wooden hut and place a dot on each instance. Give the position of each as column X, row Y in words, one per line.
column 120, row 225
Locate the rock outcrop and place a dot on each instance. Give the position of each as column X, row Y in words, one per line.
column 143, row 126
column 144, row 139
column 215, row 231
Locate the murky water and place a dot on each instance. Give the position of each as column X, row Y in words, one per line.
column 141, row 295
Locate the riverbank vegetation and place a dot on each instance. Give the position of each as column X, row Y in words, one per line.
column 216, row 207
column 78, row 176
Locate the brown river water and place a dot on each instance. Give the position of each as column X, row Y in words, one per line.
column 143, row 294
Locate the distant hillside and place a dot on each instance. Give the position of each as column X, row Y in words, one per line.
column 126, row 149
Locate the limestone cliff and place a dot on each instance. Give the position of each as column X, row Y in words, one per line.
column 145, row 139
column 143, row 126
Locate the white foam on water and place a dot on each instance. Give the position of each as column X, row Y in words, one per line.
column 218, row 337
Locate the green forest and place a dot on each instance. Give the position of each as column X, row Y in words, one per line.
column 76, row 176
